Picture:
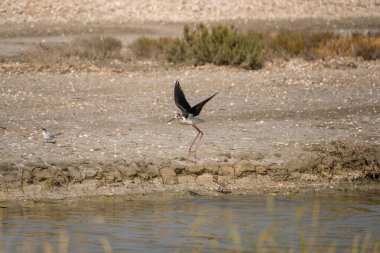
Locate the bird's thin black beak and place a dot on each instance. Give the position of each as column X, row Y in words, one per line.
column 171, row 120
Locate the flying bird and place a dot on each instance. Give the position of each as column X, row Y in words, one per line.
column 188, row 114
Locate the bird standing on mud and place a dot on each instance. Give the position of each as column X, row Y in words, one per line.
column 49, row 137
column 188, row 114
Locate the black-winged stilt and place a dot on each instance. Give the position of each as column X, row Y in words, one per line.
column 188, row 114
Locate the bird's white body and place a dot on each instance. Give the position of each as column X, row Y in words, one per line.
column 49, row 137
column 190, row 120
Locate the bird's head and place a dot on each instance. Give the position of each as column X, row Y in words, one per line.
column 43, row 130
column 176, row 116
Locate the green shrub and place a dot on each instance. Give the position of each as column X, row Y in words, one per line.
column 176, row 51
column 221, row 46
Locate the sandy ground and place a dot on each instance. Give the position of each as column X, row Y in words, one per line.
column 262, row 125
column 288, row 127
column 124, row 11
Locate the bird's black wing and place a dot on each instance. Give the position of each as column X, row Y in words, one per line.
column 196, row 109
column 180, row 99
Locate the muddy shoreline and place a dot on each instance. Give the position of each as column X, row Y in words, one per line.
column 323, row 167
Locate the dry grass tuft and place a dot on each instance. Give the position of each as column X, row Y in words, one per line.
column 367, row 47
column 288, row 44
column 356, row 45
column 79, row 51
column 145, row 47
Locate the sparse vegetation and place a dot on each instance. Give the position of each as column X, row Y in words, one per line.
column 323, row 45
column 356, row 45
column 288, row 44
column 368, row 48
column 222, row 45
column 3, row 59
column 78, row 51
column 219, row 45
column 145, row 47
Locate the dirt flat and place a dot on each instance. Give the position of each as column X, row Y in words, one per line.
column 264, row 126
column 291, row 126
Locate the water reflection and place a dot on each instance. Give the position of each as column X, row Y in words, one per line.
column 308, row 223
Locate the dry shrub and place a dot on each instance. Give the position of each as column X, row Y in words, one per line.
column 336, row 46
column 356, row 45
column 368, row 48
column 289, row 44
column 3, row 59
column 95, row 48
column 44, row 54
column 145, row 47
column 79, row 51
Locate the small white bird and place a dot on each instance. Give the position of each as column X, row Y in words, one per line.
column 49, row 137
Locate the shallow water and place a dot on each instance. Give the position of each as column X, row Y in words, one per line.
column 315, row 222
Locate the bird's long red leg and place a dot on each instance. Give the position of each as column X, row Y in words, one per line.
column 200, row 137
column 193, row 142
column 199, row 133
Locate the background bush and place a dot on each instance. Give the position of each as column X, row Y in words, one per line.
column 219, row 45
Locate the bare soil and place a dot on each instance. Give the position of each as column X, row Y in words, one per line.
column 289, row 126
